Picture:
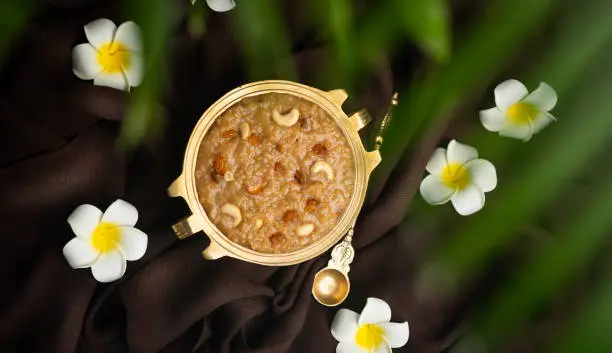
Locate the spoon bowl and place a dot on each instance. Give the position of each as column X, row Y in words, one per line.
column 331, row 286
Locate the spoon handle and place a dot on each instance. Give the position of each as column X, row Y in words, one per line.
column 343, row 254
column 385, row 122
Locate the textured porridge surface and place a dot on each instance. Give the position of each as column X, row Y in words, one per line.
column 267, row 175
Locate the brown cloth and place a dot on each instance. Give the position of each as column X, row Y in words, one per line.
column 58, row 150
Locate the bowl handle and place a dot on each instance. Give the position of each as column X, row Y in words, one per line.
column 213, row 251
column 187, row 226
column 372, row 159
column 177, row 188
column 338, row 96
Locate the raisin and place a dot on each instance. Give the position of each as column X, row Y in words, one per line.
column 256, row 189
column 277, row 238
column 254, row 140
column 279, row 168
column 304, row 124
column 319, row 149
column 290, row 216
column 215, row 177
column 228, row 134
column 311, row 205
column 299, row 177
column 220, row 165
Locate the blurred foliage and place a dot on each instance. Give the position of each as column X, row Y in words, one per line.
column 14, row 15
column 563, row 42
column 143, row 116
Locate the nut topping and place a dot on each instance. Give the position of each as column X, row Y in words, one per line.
column 322, row 166
column 229, row 176
column 311, row 205
column 286, row 120
column 258, row 223
column 304, row 229
column 245, row 130
column 232, row 211
column 228, row 134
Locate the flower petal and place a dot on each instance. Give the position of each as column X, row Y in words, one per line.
column 85, row 63
column 221, row 5
column 100, row 32
column 349, row 347
column 382, row 348
column 508, row 93
column 396, row 334
column 121, row 213
column 344, row 327
column 483, row 174
column 375, row 311
column 460, row 153
column 469, row 200
column 544, row 97
column 84, row 219
column 517, row 131
column 129, row 35
column 132, row 242
column 435, row 191
column 135, row 72
column 109, row 267
column 437, row 162
column 542, row 120
column 114, row 80
column 79, row 253
column 493, row 119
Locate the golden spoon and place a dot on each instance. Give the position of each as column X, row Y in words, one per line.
column 331, row 284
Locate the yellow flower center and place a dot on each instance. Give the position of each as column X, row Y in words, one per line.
column 105, row 237
column 369, row 336
column 455, row 175
column 114, row 57
column 522, row 113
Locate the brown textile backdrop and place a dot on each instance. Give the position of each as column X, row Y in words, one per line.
column 57, row 151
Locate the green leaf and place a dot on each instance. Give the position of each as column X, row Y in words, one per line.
column 427, row 23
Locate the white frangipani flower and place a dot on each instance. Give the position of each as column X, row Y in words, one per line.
column 519, row 114
column 105, row 241
column 219, row 5
column 370, row 332
column 113, row 56
column 459, row 176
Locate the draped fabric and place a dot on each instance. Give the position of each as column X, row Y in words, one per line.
column 58, row 150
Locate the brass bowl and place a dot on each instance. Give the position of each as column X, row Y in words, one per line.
column 185, row 186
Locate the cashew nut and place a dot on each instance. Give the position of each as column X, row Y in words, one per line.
column 322, row 166
column 245, row 130
column 286, row 120
column 233, row 212
column 258, row 223
column 229, row 176
column 305, row 229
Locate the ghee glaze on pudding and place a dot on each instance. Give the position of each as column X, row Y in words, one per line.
column 274, row 173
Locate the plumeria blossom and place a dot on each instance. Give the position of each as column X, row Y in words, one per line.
column 368, row 332
column 219, row 5
column 104, row 241
column 456, row 174
column 519, row 114
column 113, row 56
